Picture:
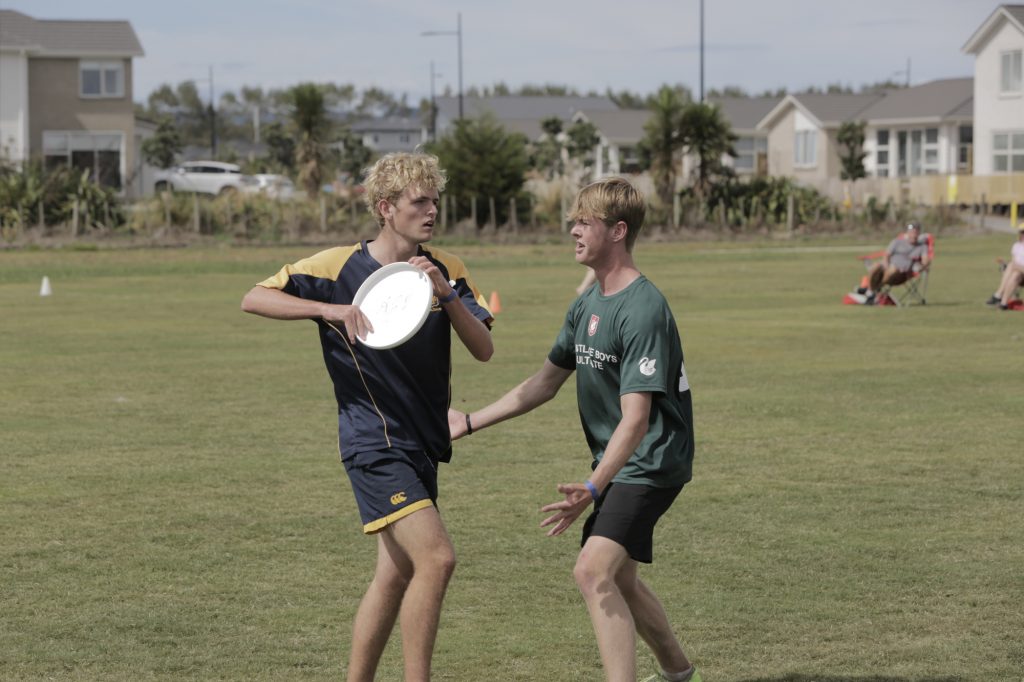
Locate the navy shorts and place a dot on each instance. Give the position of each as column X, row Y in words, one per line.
column 391, row 484
column 627, row 513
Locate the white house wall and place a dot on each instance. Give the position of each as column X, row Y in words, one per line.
column 14, row 106
column 994, row 111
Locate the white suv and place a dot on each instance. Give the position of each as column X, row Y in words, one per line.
column 205, row 177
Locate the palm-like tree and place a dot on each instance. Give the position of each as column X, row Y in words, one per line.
column 704, row 133
column 662, row 140
column 309, row 119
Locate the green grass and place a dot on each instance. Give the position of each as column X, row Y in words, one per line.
column 173, row 507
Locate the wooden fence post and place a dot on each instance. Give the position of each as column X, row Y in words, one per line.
column 513, row 219
column 323, row 214
column 74, row 219
column 196, row 224
column 493, row 218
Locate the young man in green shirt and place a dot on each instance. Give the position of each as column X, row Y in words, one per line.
column 620, row 338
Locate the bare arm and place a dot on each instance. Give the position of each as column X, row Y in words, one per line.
column 278, row 305
column 473, row 333
column 636, row 409
column 535, row 391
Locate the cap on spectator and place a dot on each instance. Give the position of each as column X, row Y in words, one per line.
column 914, row 226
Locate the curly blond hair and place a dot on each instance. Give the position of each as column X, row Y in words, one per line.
column 394, row 173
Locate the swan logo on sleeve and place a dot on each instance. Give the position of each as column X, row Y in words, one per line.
column 647, row 366
column 592, row 327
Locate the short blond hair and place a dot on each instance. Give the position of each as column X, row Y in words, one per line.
column 611, row 200
column 394, row 173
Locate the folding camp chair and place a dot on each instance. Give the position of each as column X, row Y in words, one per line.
column 1015, row 300
column 914, row 289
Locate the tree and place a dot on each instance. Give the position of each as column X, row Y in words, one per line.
column 483, row 161
column 704, row 133
column 580, row 140
column 851, row 153
column 546, row 153
column 280, row 147
column 661, row 142
column 354, row 156
column 309, row 119
column 163, row 147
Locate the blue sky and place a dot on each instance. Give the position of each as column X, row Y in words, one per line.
column 587, row 44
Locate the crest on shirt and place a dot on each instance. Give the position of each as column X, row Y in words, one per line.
column 592, row 327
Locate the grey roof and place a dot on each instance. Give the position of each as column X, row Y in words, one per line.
column 978, row 39
column 399, row 125
column 622, row 126
column 936, row 100
column 48, row 37
column 831, row 110
column 744, row 113
column 523, row 107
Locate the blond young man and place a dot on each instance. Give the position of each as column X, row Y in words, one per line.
column 621, row 339
column 392, row 404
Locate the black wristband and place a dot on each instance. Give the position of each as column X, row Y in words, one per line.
column 452, row 295
column 469, row 426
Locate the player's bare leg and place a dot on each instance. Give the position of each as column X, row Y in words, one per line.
column 651, row 620
column 599, row 562
column 415, row 562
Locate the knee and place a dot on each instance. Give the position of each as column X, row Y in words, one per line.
column 589, row 578
column 441, row 563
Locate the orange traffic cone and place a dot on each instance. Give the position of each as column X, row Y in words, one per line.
column 495, row 303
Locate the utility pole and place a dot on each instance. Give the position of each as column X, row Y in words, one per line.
column 701, row 51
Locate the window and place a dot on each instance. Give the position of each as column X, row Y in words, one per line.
column 882, row 153
column 964, row 149
column 747, row 150
column 98, row 153
column 403, row 138
column 1010, row 80
column 1008, row 152
column 804, row 153
column 931, row 151
column 101, row 79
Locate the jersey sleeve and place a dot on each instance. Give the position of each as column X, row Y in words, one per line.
column 563, row 353
column 646, row 352
column 311, row 278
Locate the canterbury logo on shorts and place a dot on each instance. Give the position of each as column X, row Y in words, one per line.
column 398, row 498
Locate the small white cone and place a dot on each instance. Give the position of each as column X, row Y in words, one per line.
column 46, row 289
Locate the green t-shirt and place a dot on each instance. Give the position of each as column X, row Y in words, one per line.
column 628, row 343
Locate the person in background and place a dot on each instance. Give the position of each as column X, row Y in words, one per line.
column 1013, row 274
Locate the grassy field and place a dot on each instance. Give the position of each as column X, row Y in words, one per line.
column 173, row 507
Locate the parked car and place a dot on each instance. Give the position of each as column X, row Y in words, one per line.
column 275, row 186
column 205, row 177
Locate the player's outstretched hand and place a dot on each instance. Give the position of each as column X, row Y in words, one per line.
column 577, row 499
column 456, row 423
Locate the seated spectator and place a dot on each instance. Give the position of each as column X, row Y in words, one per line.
column 1013, row 274
column 897, row 264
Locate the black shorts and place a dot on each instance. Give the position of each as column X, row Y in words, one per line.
column 627, row 513
column 391, row 484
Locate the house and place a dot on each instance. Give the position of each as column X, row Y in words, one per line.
column 997, row 46
column 802, row 131
column 743, row 115
column 66, row 94
column 619, row 132
column 921, row 130
column 519, row 113
column 385, row 135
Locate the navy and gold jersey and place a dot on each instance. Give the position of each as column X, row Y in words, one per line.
column 394, row 398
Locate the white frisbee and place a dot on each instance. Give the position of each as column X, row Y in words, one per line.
column 396, row 299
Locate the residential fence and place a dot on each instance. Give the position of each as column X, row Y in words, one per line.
column 930, row 190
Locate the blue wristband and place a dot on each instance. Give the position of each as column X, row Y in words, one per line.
column 592, row 488
column 449, row 298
